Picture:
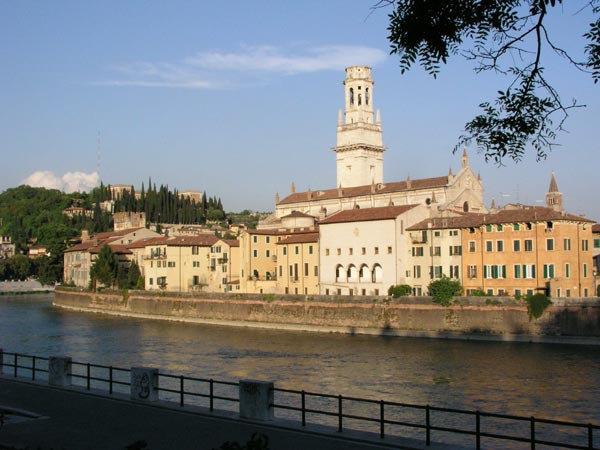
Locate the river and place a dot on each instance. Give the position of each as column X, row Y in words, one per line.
column 545, row 380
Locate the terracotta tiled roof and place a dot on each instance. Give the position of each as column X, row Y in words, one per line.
column 185, row 241
column 148, row 241
column 232, row 242
column 83, row 247
column 283, row 232
column 300, row 238
column 356, row 191
column 367, row 214
column 514, row 215
column 112, row 234
column 297, row 214
column 596, row 228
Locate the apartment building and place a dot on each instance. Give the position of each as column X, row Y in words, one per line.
column 298, row 264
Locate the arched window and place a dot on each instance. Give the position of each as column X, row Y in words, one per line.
column 367, row 96
column 352, row 273
column 364, row 274
column 340, row 274
column 268, row 275
column 359, row 99
column 377, row 276
column 255, row 273
column 466, row 206
column 352, row 96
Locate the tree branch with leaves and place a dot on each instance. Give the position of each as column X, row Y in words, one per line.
column 508, row 37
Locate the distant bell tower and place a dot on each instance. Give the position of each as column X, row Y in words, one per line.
column 553, row 196
column 359, row 146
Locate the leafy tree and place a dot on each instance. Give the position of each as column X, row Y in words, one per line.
column 508, row 37
column 105, row 267
column 48, row 269
column 444, row 289
column 536, row 305
column 18, row 267
column 399, row 290
column 133, row 276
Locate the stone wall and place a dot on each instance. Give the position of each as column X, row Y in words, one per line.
column 473, row 318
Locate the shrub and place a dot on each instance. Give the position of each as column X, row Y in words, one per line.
column 444, row 289
column 399, row 290
column 477, row 293
column 536, row 305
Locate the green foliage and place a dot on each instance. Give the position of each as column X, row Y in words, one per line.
column 536, row 305
column 494, row 302
column 105, row 266
column 19, row 267
column 477, row 293
column 509, row 37
column 400, row 290
column 444, row 289
column 133, row 276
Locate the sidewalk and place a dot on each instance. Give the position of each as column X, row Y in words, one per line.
column 74, row 419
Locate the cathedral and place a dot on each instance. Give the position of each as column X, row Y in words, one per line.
column 359, row 161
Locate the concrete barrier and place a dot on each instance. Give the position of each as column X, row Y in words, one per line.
column 256, row 400
column 144, row 384
column 59, row 371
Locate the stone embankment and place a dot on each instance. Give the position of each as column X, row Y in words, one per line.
column 566, row 321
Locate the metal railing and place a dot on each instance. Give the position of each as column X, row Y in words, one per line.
column 385, row 418
column 470, row 422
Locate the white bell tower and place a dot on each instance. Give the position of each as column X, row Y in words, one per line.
column 359, row 146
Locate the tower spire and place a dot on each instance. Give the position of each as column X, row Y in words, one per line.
column 554, row 196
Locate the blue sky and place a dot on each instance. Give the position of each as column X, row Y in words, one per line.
column 241, row 98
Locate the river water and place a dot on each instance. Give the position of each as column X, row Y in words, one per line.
column 550, row 381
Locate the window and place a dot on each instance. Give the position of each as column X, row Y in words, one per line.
column 585, row 274
column 518, row 293
column 455, row 250
column 280, row 271
column 435, row 271
column 435, row 251
column 297, row 250
column 285, row 251
column 310, row 249
column 596, row 243
column 548, row 270
column 376, row 250
column 517, row 245
column 528, row 245
column 517, row 271
column 500, row 246
column 473, row 271
column 171, row 264
column 488, row 228
column 472, row 246
column 567, row 244
column 316, row 272
column 584, row 245
column 494, row 271
column 550, row 244
column 417, row 271
column 417, row 251
column 268, row 253
column 499, row 227
column 195, row 250
column 389, row 250
column 339, row 251
column 516, row 227
column 454, row 272
column 255, row 253
column 150, row 281
column 350, row 251
column 363, row 251
column 196, row 263
column 305, row 269
column 489, row 246
column 255, row 239
column 267, row 239
column 326, row 252
column 528, row 271
column 437, row 233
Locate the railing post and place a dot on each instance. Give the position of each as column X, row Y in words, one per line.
column 478, row 430
column 144, row 384
column 110, row 379
column 590, row 436
column 181, row 390
column 532, row 437
column 1, row 361
column 340, row 413
column 303, row 409
column 33, row 368
column 381, row 419
column 88, row 377
column 256, row 399
column 59, row 371
column 212, row 394
column 427, row 426
column 16, row 366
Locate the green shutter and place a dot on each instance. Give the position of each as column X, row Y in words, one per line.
column 545, row 270
column 503, row 271
column 533, row 270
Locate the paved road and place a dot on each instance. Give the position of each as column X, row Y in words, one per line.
column 78, row 420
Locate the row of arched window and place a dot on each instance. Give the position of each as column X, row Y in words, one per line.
column 360, row 274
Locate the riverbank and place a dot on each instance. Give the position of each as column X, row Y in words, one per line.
column 571, row 322
column 24, row 287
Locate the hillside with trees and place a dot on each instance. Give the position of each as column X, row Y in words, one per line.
column 34, row 216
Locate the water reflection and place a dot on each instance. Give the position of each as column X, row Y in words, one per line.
column 555, row 381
